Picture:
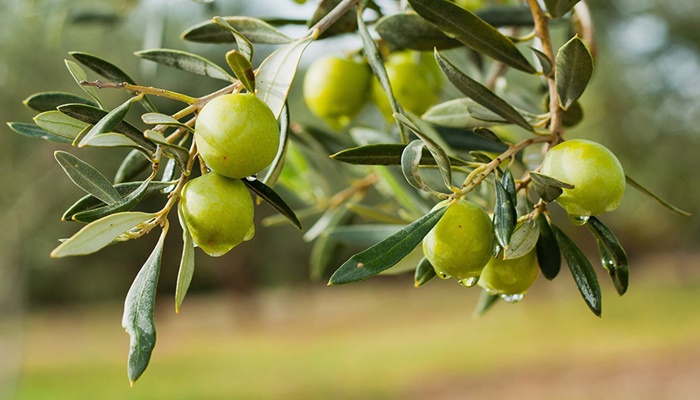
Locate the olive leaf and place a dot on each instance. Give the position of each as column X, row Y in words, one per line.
column 548, row 253
column 34, row 131
column 410, row 162
column 661, row 201
column 91, row 115
column 386, row 253
column 424, row 273
column 480, row 93
column 185, row 61
column 384, row 154
column 471, row 30
column 548, row 188
column 101, row 233
column 254, row 29
column 48, row 101
column 86, row 177
column 163, row 119
column 410, row 31
column 186, row 271
column 109, row 71
column 107, row 123
column 558, row 8
column 59, row 124
column 573, row 71
column 346, row 23
column 277, row 72
column 613, row 256
column 581, row 270
column 125, row 204
column 90, row 202
column 325, row 247
column 273, row 199
column 453, row 114
column 504, row 216
column 523, row 240
column 275, row 169
column 241, row 67
column 244, row 45
column 132, row 166
column 486, row 301
column 138, row 312
column 80, row 76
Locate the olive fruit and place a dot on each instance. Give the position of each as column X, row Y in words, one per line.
column 218, row 212
column 416, row 81
column 595, row 172
column 336, row 89
column 510, row 278
column 459, row 245
column 237, row 135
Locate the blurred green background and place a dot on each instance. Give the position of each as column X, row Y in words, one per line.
column 255, row 327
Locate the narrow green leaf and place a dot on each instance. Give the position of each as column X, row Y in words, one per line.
column 523, row 240
column 186, row 271
column 544, row 60
column 163, row 119
column 255, row 30
column 138, row 312
column 424, row 273
column 275, row 169
column 559, row 8
column 110, row 71
column 276, row 74
column 386, row 253
column 242, row 68
column 661, row 201
column 410, row 161
column 244, row 45
column 180, row 153
column 508, row 183
column 134, row 164
column 125, row 204
column 385, row 154
column 471, row 30
column 59, row 124
column 437, row 151
column 453, row 114
column 91, row 115
column 48, row 101
column 480, row 93
column 376, row 63
column 504, row 216
column 392, row 183
column 548, row 188
column 573, row 71
column 488, row 134
column 108, row 122
column 87, row 177
column 410, row 31
column 613, row 256
column 185, row 61
column 90, row 202
column 101, row 233
column 111, row 140
column 273, row 199
column 581, row 270
column 79, row 76
column 486, row 301
column 548, row 253
column 34, row 131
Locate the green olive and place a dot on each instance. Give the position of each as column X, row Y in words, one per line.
column 416, row 81
column 237, row 135
column 218, row 212
column 459, row 245
column 595, row 172
column 335, row 89
column 510, row 277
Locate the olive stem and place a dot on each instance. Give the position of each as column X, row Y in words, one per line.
column 141, row 90
column 542, row 33
column 479, row 174
column 330, row 18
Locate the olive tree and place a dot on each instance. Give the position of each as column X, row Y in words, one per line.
column 456, row 178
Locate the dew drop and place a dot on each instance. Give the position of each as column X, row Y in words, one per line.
column 469, row 282
column 579, row 219
column 251, row 178
column 442, row 274
column 512, row 298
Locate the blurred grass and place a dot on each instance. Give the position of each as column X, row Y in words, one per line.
column 383, row 340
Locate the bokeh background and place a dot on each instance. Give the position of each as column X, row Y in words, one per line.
column 254, row 326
